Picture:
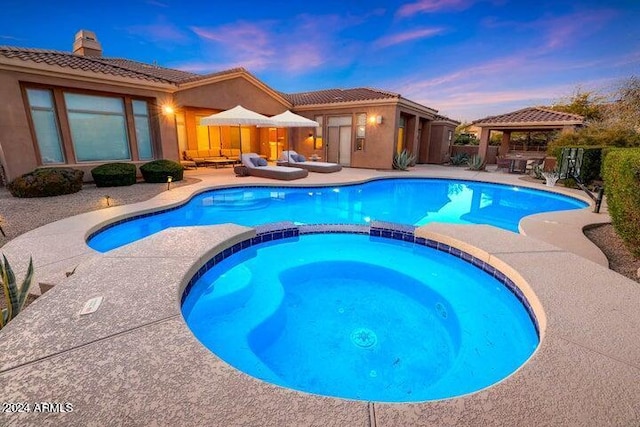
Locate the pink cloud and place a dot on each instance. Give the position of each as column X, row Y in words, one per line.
column 407, row 36
column 294, row 47
column 558, row 32
column 565, row 30
column 430, row 6
column 240, row 44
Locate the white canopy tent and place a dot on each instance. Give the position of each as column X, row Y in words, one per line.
column 237, row 116
column 292, row 120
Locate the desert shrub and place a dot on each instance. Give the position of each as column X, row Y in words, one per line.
column 47, row 182
column 459, row 159
column 160, row 170
column 621, row 173
column 114, row 174
column 476, row 163
column 403, row 160
column 597, row 134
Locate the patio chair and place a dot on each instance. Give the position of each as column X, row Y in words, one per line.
column 531, row 164
column 257, row 166
column 290, row 157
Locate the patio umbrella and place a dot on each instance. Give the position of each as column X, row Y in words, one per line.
column 292, row 120
column 237, row 116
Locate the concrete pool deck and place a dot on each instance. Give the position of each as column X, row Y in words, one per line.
column 135, row 362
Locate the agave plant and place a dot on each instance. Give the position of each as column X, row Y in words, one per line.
column 403, row 160
column 459, row 159
column 476, row 163
column 15, row 297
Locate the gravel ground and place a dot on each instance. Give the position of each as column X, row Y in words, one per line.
column 17, row 216
column 620, row 259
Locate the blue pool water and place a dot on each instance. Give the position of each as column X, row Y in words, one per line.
column 404, row 201
column 360, row 317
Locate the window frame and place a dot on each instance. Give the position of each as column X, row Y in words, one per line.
column 32, row 125
column 64, row 127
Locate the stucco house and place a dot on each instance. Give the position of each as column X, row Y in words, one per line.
column 82, row 109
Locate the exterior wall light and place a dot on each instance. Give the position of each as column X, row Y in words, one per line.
column 168, row 109
column 375, row 120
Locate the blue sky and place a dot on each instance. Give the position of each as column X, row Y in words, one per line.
column 466, row 58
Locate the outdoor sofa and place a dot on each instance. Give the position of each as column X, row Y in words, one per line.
column 212, row 157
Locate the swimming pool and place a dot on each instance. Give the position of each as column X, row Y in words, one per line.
column 360, row 317
column 411, row 201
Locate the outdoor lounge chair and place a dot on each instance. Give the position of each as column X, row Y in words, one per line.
column 273, row 172
column 292, row 158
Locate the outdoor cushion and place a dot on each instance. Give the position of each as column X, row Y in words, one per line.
column 274, row 172
column 261, row 161
column 300, row 158
column 256, row 161
column 231, row 152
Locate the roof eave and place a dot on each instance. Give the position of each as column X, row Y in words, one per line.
column 19, row 65
column 529, row 124
column 345, row 104
column 420, row 107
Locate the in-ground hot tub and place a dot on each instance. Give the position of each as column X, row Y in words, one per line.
column 360, row 317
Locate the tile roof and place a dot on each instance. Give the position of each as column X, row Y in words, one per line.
column 113, row 66
column 137, row 70
column 197, row 77
column 169, row 74
column 334, row 96
column 439, row 117
column 530, row 115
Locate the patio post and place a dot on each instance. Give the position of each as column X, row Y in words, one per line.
column 484, row 142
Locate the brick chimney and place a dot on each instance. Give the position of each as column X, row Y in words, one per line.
column 86, row 44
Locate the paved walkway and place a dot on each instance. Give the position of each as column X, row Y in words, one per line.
column 134, row 361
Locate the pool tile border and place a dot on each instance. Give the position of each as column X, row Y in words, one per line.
column 283, row 230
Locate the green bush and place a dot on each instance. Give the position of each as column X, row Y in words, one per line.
column 47, row 182
column 621, row 173
column 114, row 174
column 466, row 139
column 591, row 162
column 597, row 134
column 160, row 170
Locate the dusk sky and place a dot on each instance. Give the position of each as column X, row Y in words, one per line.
column 466, row 58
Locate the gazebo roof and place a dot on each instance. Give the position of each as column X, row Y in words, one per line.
column 531, row 117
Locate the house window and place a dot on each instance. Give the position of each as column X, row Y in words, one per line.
column 361, row 126
column 317, row 143
column 98, row 127
column 143, row 129
column 45, row 124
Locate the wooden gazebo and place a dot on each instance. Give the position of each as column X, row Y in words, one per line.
column 532, row 119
